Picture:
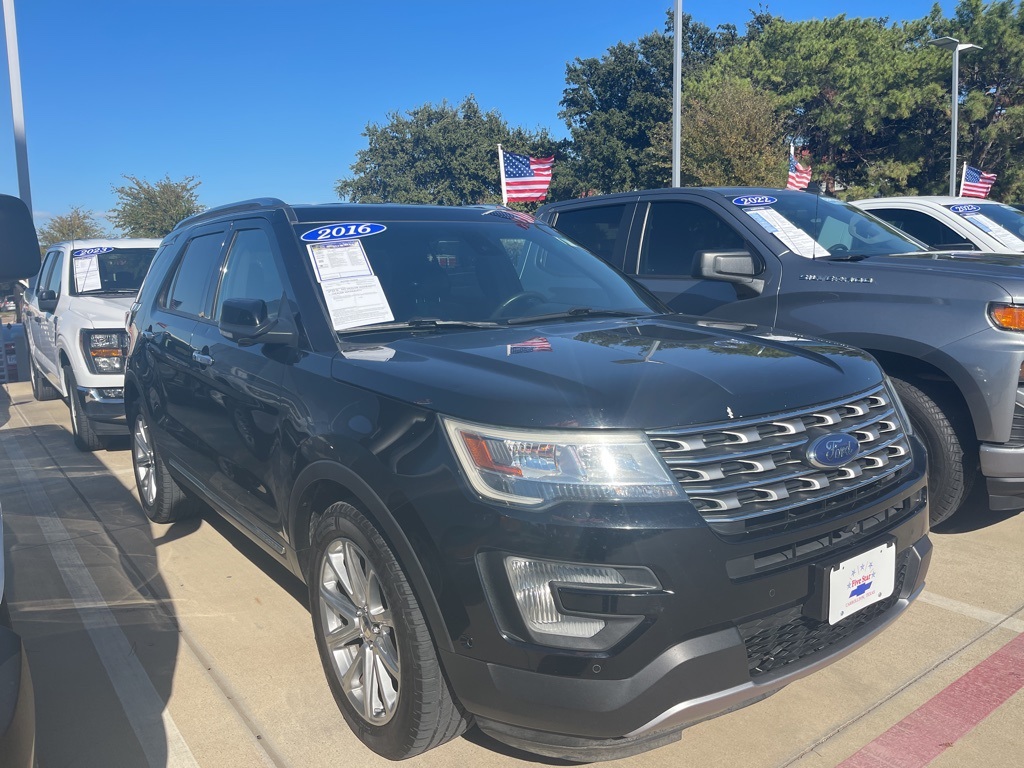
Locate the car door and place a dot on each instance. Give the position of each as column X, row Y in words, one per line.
column 176, row 405
column 31, row 313
column 45, row 321
column 240, row 422
column 666, row 246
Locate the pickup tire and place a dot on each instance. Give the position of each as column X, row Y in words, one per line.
column 85, row 436
column 374, row 643
column 42, row 389
column 946, row 433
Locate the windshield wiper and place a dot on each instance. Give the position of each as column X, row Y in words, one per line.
column 574, row 312
column 418, row 323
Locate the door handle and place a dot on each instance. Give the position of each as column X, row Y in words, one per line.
column 202, row 359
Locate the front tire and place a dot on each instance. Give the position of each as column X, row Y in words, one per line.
column 374, row 644
column 952, row 450
column 162, row 498
column 85, row 436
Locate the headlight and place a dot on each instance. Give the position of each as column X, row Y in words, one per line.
column 533, row 467
column 104, row 350
column 1010, row 317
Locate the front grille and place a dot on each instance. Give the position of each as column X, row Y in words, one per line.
column 787, row 637
column 751, row 475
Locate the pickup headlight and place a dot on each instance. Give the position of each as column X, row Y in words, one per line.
column 105, row 350
column 532, row 467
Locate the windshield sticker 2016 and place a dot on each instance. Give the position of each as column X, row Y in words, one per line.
column 87, row 272
column 791, row 235
column 340, row 231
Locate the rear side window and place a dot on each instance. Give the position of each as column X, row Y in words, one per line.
column 188, row 288
column 596, row 228
column 925, row 228
column 676, row 232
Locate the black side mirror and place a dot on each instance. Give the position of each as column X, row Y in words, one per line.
column 732, row 267
column 246, row 322
column 47, row 301
column 19, row 246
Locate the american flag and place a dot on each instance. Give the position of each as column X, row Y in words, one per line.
column 526, row 178
column 522, row 220
column 536, row 344
column 976, row 183
column 799, row 176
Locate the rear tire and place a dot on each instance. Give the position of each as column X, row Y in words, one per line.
column 952, row 449
column 162, row 498
column 42, row 389
column 374, row 644
column 85, row 436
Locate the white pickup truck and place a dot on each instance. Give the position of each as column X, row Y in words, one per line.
column 74, row 312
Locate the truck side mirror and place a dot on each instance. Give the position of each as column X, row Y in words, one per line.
column 732, row 267
column 246, row 322
column 47, row 301
column 19, row 246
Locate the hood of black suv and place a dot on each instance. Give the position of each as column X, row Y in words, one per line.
column 645, row 373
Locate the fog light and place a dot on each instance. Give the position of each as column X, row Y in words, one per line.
column 531, row 584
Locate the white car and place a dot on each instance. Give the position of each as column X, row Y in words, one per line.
column 953, row 223
column 74, row 312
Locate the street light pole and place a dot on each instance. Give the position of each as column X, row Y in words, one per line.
column 677, row 64
column 954, row 45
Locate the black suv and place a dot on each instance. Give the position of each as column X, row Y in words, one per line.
column 521, row 493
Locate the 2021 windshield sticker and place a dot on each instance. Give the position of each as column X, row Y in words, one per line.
column 794, row 238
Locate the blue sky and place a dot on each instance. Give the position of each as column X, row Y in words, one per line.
column 258, row 98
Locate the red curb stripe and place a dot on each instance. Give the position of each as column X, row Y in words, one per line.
column 936, row 725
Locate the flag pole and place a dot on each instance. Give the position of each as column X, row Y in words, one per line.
column 501, row 170
column 963, row 177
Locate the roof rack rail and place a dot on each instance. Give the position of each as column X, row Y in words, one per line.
column 255, row 204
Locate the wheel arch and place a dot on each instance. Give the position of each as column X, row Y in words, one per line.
column 325, row 482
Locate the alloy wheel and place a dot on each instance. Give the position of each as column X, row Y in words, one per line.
column 145, row 461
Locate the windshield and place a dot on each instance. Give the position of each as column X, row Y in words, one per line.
column 109, row 270
column 820, row 227
column 1004, row 222
column 494, row 270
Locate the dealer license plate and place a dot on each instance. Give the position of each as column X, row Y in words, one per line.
column 861, row 581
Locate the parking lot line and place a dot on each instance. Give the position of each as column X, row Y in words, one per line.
column 153, row 725
column 949, row 715
column 972, row 611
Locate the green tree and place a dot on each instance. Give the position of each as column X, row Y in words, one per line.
column 860, row 94
column 730, row 134
column 76, row 224
column 153, row 210
column 991, row 124
column 619, row 108
column 438, row 154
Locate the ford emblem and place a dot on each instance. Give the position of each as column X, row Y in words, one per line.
column 832, row 450
column 747, row 200
column 965, row 208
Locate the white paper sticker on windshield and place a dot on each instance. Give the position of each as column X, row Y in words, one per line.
column 339, row 258
column 87, row 273
column 1005, row 237
column 789, row 233
column 356, row 301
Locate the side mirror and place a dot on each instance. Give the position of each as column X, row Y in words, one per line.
column 19, row 246
column 732, row 267
column 47, row 301
column 245, row 322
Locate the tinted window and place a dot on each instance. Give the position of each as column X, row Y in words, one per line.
column 1006, row 216
column 189, row 285
column 595, row 228
column 250, row 272
column 925, row 228
column 675, row 233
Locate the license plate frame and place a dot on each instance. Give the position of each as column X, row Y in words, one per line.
column 861, row 580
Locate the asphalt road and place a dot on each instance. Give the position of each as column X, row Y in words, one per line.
column 184, row 645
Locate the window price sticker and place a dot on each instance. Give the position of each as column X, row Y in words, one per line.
column 791, row 235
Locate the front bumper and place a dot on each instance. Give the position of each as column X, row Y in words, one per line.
column 17, row 702
column 105, row 413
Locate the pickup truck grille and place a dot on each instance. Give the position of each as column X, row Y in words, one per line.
column 752, row 475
